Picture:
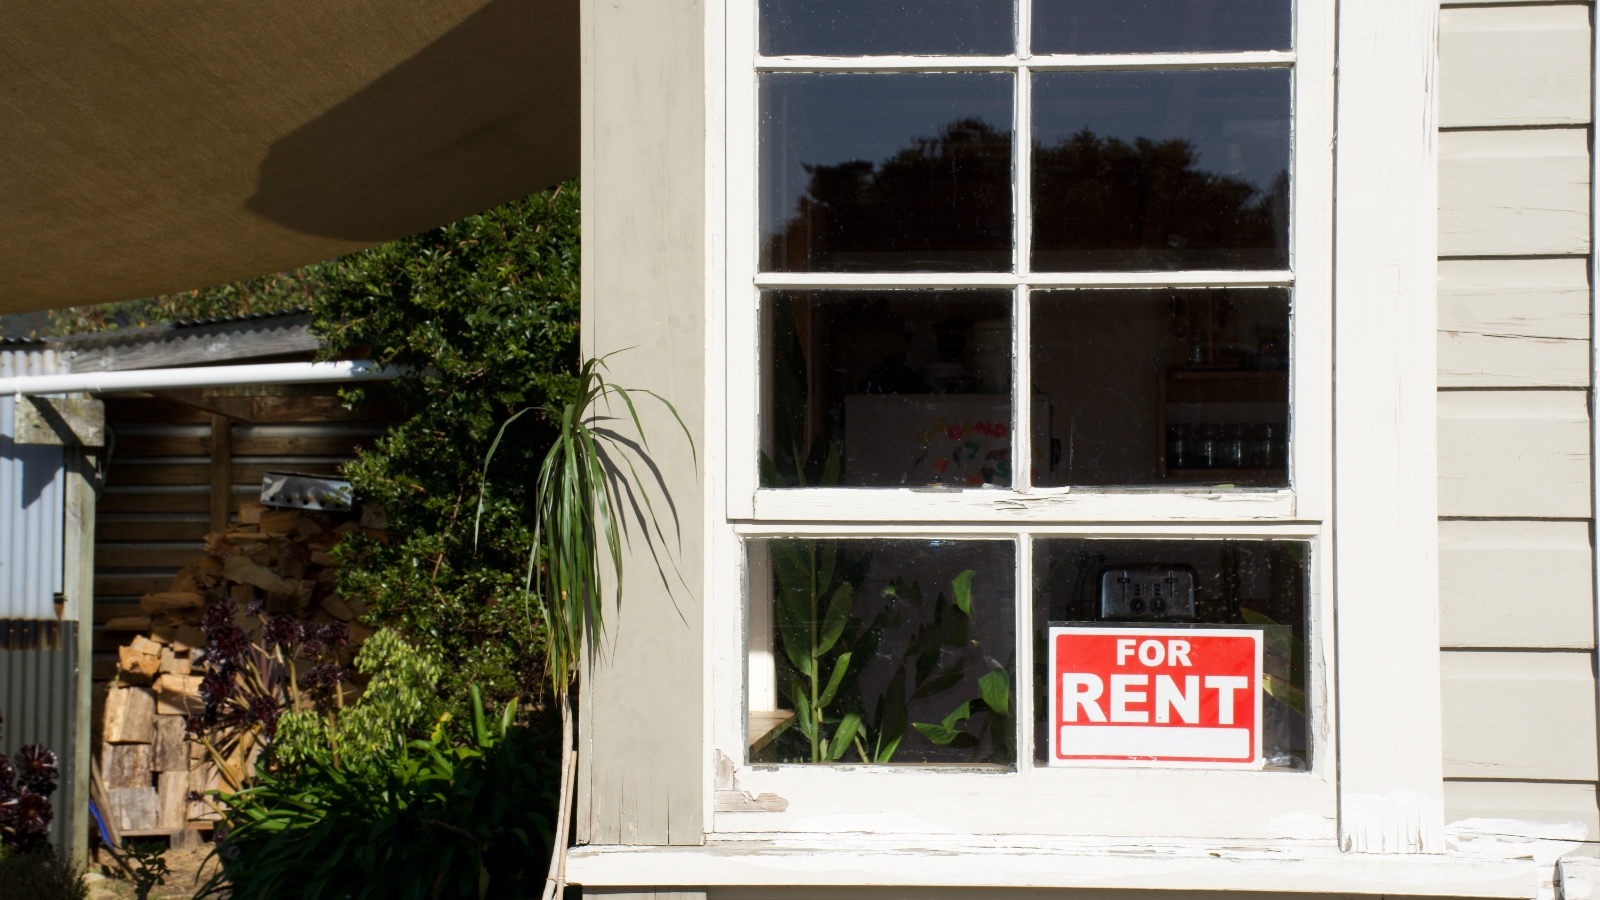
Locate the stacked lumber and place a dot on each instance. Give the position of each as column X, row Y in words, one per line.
column 271, row 563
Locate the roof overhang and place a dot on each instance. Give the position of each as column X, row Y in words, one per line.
column 152, row 146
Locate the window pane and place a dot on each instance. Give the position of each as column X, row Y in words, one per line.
column 1157, row 26
column 1164, row 387
column 882, row 651
column 1161, row 170
column 886, row 388
column 1246, row 584
column 886, row 27
column 894, row 172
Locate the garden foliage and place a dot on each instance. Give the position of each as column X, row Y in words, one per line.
column 484, row 311
column 458, row 815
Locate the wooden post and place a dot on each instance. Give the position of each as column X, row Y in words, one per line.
column 77, row 585
column 221, row 471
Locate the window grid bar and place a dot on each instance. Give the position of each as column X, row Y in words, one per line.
column 1022, row 607
column 1006, row 280
column 1255, row 59
column 1021, row 397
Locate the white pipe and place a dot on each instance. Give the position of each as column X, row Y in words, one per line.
column 197, row 377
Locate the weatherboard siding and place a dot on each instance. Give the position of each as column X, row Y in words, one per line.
column 1516, row 583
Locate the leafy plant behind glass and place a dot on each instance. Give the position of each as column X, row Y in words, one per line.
column 826, row 649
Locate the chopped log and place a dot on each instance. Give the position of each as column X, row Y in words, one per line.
column 324, row 558
column 170, row 752
column 125, row 765
column 128, row 623
column 187, row 581
column 243, row 594
column 136, row 809
column 130, row 714
column 166, row 601
column 210, row 566
column 172, row 663
column 135, row 663
column 279, row 521
column 203, row 778
column 188, row 637
column 250, row 512
column 359, row 634
column 145, row 646
column 335, row 606
column 179, row 695
column 174, row 794
column 246, row 571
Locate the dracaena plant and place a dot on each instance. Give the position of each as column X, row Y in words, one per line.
column 587, row 489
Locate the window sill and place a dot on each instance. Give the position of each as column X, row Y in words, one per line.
column 1019, row 861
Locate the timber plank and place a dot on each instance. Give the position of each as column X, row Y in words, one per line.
column 1508, row 66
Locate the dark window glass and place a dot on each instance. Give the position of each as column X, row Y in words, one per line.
column 1161, row 170
column 1160, row 26
column 898, row 172
column 884, row 651
column 1248, row 584
column 887, row 27
column 1164, row 387
column 886, row 389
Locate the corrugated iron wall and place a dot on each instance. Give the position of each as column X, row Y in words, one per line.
column 37, row 697
column 32, row 487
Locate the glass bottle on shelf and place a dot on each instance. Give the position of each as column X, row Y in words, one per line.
column 1180, row 446
column 1208, row 444
column 1260, row 446
column 1233, row 453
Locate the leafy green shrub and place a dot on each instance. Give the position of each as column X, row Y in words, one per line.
column 436, row 820
column 398, row 705
column 485, row 310
column 41, row 875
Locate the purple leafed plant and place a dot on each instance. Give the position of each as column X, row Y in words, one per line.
column 26, row 782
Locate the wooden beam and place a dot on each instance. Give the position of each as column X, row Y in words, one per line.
column 78, row 589
column 221, row 470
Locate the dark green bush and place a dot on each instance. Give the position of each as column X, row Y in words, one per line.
column 460, row 815
column 485, row 310
column 40, row 875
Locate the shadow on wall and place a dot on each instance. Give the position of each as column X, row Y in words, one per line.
column 486, row 114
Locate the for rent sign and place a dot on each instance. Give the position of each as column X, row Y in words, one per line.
column 1164, row 695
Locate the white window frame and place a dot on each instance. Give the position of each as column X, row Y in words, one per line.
column 1354, row 796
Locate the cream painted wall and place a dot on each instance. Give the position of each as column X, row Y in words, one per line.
column 1515, row 545
column 642, row 777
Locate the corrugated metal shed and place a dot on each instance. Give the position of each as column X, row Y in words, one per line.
column 38, row 697
column 32, row 488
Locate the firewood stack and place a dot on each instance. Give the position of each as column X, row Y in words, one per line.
column 282, row 558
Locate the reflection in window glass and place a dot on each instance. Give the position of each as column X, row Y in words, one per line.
column 1159, row 26
column 886, row 389
column 1248, row 584
column 886, row 27
column 882, row 651
column 1164, row 387
column 895, row 172
column 1161, row 170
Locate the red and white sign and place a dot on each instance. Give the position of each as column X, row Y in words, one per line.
column 1184, row 696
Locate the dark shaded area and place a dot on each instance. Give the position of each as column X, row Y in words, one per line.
column 1161, row 170
column 1160, row 26
column 1100, row 203
column 887, row 27
column 901, row 172
column 479, row 117
column 1249, row 584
